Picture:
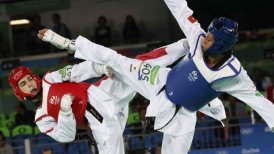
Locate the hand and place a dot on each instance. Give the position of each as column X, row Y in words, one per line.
column 66, row 102
column 108, row 71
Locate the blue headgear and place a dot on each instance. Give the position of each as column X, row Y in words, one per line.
column 225, row 32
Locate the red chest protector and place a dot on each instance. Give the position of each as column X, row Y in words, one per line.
column 78, row 90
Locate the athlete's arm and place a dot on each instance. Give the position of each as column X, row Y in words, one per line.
column 183, row 15
column 243, row 88
column 63, row 130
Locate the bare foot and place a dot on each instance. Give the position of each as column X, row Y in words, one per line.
column 41, row 33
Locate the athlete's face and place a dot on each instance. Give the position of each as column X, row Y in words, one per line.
column 208, row 41
column 28, row 85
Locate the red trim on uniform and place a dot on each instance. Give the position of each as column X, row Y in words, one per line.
column 152, row 54
column 45, row 79
column 97, row 84
column 191, row 19
column 41, row 117
column 48, row 131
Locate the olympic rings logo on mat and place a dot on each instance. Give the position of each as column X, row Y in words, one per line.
column 222, row 152
column 247, row 131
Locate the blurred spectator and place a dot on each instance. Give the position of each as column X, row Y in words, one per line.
column 23, row 116
column 138, row 102
column 47, row 151
column 35, row 45
column 59, row 27
column 231, row 130
column 5, row 148
column 236, row 108
column 261, row 80
column 3, row 48
column 131, row 33
column 270, row 90
column 159, row 147
column 139, row 105
column 266, row 80
column 102, row 32
column 142, row 113
column 258, row 78
column 253, row 35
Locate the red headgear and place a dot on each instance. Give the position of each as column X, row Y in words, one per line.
column 17, row 74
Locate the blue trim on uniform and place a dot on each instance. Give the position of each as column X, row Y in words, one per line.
column 227, row 63
column 237, row 73
column 194, row 52
column 233, row 68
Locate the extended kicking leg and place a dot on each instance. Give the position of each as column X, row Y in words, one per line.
column 140, row 75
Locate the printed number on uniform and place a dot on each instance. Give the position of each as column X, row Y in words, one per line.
column 145, row 71
column 148, row 73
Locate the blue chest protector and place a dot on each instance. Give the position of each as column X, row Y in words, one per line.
column 187, row 87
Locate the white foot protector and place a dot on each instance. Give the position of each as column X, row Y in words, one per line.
column 57, row 40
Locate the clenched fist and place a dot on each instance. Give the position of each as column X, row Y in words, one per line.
column 66, row 102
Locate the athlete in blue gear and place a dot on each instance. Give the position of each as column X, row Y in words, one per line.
column 215, row 51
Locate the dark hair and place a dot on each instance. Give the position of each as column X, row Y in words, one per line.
column 56, row 15
column 100, row 18
column 130, row 18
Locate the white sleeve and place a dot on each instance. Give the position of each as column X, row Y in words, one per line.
column 62, row 131
column 174, row 52
column 215, row 109
column 76, row 73
column 183, row 15
column 243, row 88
